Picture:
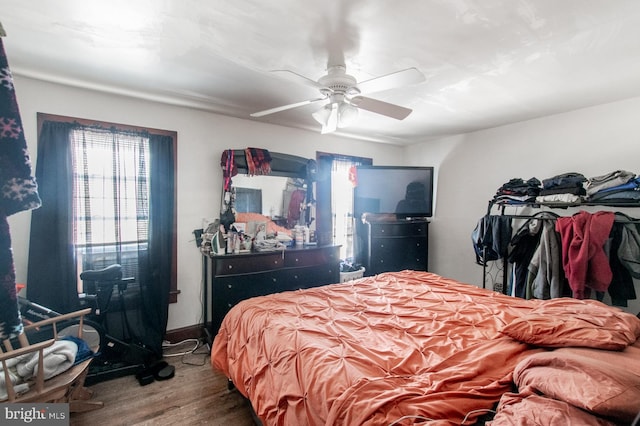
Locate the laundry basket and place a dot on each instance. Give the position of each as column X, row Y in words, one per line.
column 350, row 276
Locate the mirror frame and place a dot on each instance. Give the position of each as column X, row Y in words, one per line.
column 281, row 164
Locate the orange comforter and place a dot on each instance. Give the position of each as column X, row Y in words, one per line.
column 399, row 347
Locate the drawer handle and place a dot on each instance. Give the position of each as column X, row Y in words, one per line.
column 274, row 279
column 382, row 231
column 229, row 305
column 230, row 266
column 229, row 285
column 296, row 259
column 295, row 277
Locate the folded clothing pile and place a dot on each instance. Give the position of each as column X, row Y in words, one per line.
column 517, row 191
column 620, row 186
column 563, row 188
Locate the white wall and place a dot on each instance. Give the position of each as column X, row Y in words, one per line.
column 202, row 137
column 471, row 167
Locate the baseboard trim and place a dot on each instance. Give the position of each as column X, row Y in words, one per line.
column 179, row 334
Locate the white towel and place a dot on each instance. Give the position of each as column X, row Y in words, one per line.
column 58, row 358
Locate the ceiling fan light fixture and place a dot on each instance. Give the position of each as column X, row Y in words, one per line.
column 347, row 114
column 344, row 115
column 322, row 115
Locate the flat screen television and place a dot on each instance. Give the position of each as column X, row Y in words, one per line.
column 404, row 191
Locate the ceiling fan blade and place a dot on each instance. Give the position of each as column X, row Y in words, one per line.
column 300, row 78
column 380, row 107
column 391, row 81
column 332, row 121
column 286, row 107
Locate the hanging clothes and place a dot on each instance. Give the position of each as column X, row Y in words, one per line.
column 629, row 248
column 536, row 256
column 295, row 203
column 524, row 244
column 491, row 238
column 584, row 260
column 18, row 192
column 545, row 278
column 229, row 168
column 258, row 161
column 622, row 288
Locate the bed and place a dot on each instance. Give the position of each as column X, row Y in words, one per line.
column 413, row 347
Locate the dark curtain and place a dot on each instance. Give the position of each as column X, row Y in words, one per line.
column 156, row 282
column 324, row 224
column 52, row 280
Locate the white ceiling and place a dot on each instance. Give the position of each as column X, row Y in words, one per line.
column 486, row 62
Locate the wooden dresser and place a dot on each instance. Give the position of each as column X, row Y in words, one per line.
column 230, row 278
column 396, row 245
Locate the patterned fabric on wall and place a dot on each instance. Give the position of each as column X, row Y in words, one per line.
column 18, row 192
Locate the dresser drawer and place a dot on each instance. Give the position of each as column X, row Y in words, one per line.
column 298, row 278
column 241, row 264
column 398, row 229
column 396, row 254
column 229, row 290
column 310, row 257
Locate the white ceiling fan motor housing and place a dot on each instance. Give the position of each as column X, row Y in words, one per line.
column 339, row 81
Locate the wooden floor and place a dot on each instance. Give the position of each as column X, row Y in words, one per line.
column 196, row 395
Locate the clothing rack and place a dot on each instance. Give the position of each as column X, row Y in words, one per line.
column 564, row 206
column 537, row 216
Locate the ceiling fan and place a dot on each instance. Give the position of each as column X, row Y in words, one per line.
column 344, row 94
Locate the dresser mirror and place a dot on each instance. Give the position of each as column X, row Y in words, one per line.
column 279, row 198
column 272, row 196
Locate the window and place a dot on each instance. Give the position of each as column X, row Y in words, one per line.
column 342, row 181
column 110, row 198
column 335, row 189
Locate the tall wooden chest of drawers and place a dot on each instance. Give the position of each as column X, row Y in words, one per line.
column 396, row 245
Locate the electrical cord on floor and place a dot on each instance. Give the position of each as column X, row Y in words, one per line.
column 166, row 344
column 187, row 354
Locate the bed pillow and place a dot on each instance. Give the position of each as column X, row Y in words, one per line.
column 606, row 383
column 529, row 409
column 570, row 322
